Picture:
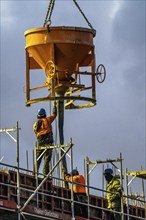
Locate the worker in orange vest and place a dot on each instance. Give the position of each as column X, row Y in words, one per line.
column 43, row 130
column 79, row 191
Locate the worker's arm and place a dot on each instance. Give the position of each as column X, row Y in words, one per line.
column 54, row 108
column 54, row 113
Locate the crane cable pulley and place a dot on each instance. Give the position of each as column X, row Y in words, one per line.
column 50, row 10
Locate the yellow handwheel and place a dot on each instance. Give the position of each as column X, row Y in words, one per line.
column 50, row 69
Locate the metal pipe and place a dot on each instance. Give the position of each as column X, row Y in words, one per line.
column 44, row 179
column 36, row 172
column 104, row 161
column 27, row 161
column 127, row 199
column 23, row 216
column 18, row 176
column 72, row 193
column 121, row 178
column 103, row 180
column 136, row 217
column 87, row 183
column 143, row 188
column 58, row 169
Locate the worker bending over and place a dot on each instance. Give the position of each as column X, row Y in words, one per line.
column 114, row 192
column 79, row 191
column 43, row 130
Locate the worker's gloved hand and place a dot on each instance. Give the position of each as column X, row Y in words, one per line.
column 55, row 107
column 66, row 175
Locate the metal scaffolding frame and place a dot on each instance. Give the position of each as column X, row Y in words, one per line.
column 16, row 140
column 26, row 214
column 21, row 213
column 46, row 177
column 135, row 174
column 69, row 148
column 88, row 171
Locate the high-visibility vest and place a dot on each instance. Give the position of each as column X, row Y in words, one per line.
column 46, row 126
column 113, row 195
column 78, row 188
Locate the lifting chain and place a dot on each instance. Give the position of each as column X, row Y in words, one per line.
column 89, row 24
column 50, row 10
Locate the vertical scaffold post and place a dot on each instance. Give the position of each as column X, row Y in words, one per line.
column 35, row 171
column 121, row 179
column 103, row 193
column 72, row 194
column 27, row 165
column 18, row 167
column 16, row 140
column 127, row 193
column 87, row 182
column 50, row 172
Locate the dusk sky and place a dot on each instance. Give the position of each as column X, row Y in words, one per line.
column 117, row 124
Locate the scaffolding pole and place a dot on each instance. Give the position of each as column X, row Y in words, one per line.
column 135, row 174
column 16, row 140
column 95, row 163
column 46, row 177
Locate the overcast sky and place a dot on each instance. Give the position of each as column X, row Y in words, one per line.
column 117, row 123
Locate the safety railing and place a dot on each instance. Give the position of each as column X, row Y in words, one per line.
column 53, row 199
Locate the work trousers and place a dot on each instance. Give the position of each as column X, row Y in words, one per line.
column 80, row 209
column 111, row 215
column 47, row 158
